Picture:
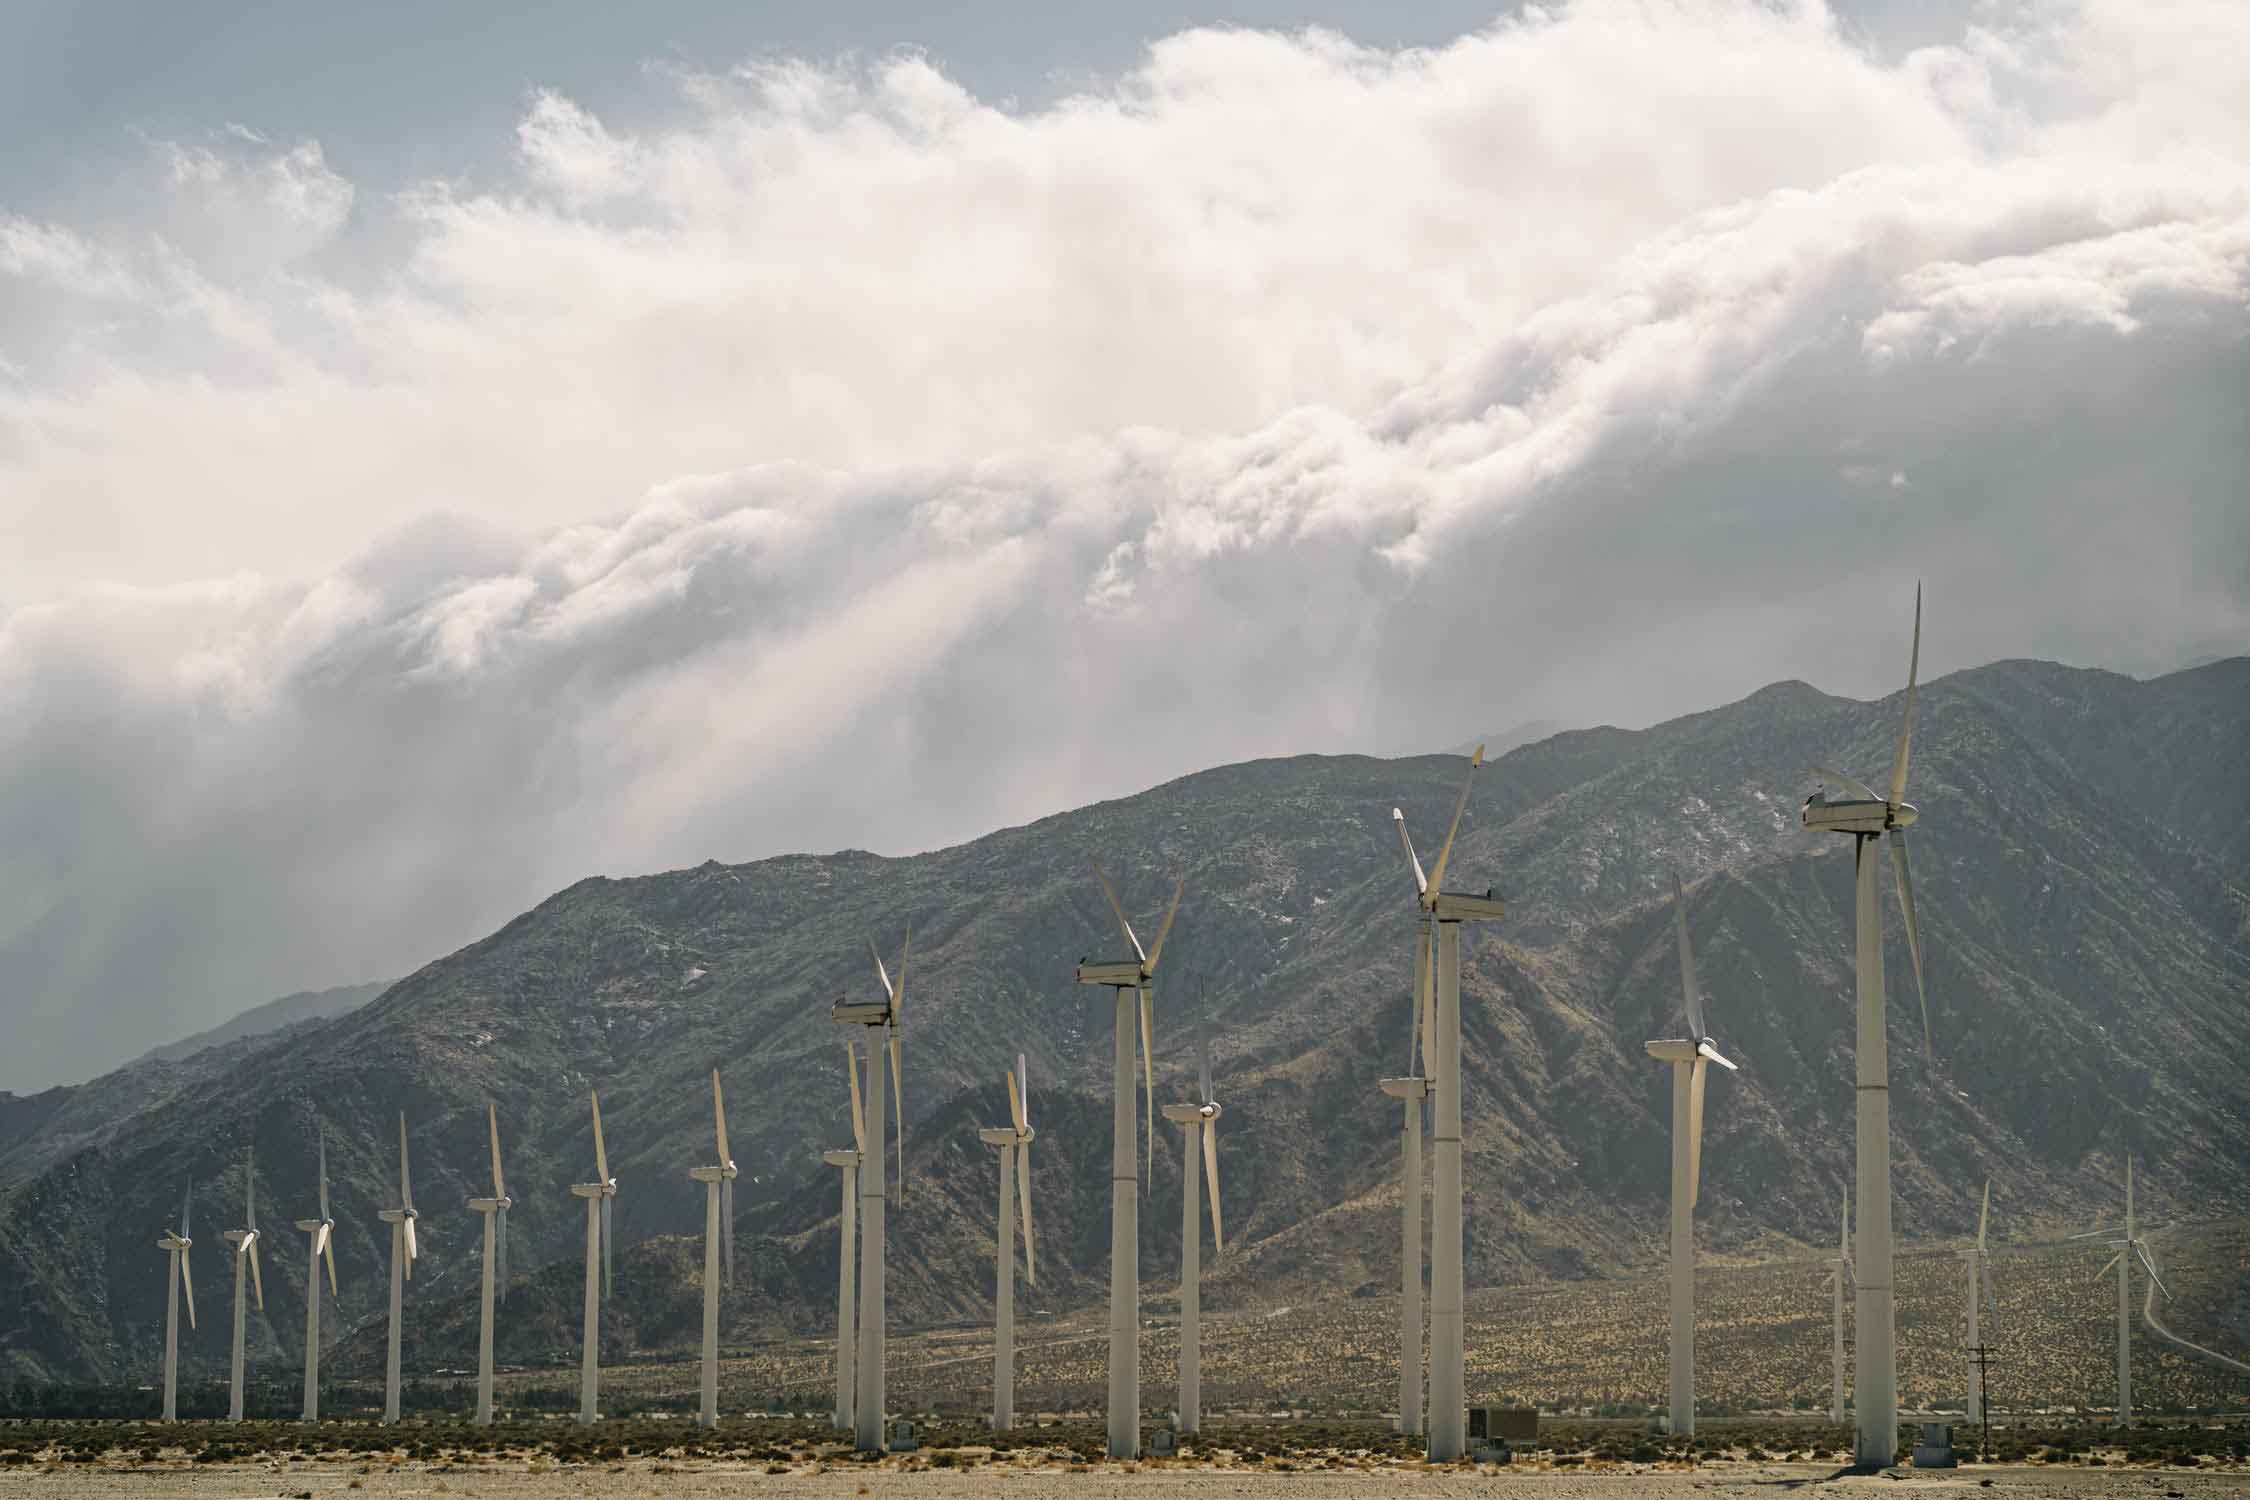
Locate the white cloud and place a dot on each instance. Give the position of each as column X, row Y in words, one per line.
column 806, row 470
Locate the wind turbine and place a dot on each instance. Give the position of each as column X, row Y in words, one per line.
column 1013, row 1140
column 1980, row 1292
column 718, row 1249
column 1445, row 911
column 600, row 1195
column 2130, row 1248
column 321, row 1237
column 404, row 1252
column 176, row 1277
column 1199, row 1120
column 245, row 1242
column 1412, row 1089
column 847, row 1221
column 1128, row 979
column 1840, row 1272
column 1690, row 1057
column 1868, row 818
column 495, row 1211
column 875, row 1015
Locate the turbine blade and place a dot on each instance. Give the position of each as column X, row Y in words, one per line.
column 905, row 953
column 499, row 1182
column 1689, row 993
column 1023, row 1077
column 1906, row 729
column 1111, row 892
column 324, row 1214
column 880, row 972
column 412, row 1249
column 1148, row 1076
column 1991, row 1302
column 1696, row 1073
column 500, row 1243
column 1023, row 1204
column 1460, row 805
column 609, row 1242
column 859, row 1111
column 2139, row 1250
column 2111, row 1266
column 187, row 1201
column 1425, row 976
column 726, row 1229
column 1015, row 1103
column 1203, row 1071
column 1844, row 1240
column 257, row 1277
column 1706, row 1050
column 1913, row 928
column 1984, row 1215
column 601, row 1151
column 328, row 1254
column 1421, row 881
column 250, row 1191
column 719, row 1115
column 1856, row 787
column 1211, row 1175
column 898, row 1102
column 405, row 1173
column 187, row 1284
column 1179, row 889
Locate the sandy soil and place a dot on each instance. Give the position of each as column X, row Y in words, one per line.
column 380, row 1482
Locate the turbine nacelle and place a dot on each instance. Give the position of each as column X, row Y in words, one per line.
column 1123, row 974
column 1856, row 815
column 490, row 1205
column 841, row 1158
column 1429, row 889
column 1405, row 1088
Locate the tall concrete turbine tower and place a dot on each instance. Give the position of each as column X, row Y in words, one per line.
column 1128, row 980
column 1689, row 1056
column 879, row 1019
column 1439, row 933
column 1868, row 819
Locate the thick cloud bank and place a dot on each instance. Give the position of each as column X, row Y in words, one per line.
column 842, row 460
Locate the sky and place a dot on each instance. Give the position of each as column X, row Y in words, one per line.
column 446, row 452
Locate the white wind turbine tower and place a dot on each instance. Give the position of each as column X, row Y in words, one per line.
column 321, row 1237
column 1412, row 1090
column 495, row 1211
column 718, row 1249
column 176, row 1277
column 1013, row 1141
column 875, row 1015
column 1979, row 1268
column 1445, row 911
column 847, row 1281
column 245, row 1242
column 1840, row 1273
column 1129, row 980
column 404, row 1252
column 2129, row 1248
column 1690, row 1057
column 1868, row 818
column 600, row 1195
column 1197, row 1122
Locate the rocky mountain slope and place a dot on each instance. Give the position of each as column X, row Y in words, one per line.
column 2081, row 868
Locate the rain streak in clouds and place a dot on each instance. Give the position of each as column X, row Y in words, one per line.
column 833, row 458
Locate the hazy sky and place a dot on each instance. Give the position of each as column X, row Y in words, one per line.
column 449, row 450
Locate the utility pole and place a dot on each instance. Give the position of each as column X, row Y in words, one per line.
column 1983, row 1354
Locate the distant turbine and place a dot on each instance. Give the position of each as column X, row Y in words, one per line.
column 2129, row 1248
column 718, row 1249
column 1868, row 818
column 1129, row 981
column 876, row 1016
column 321, row 1237
column 1199, row 1125
column 245, row 1242
column 495, row 1211
column 1840, row 1273
column 1446, row 911
column 177, row 1277
column 1689, row 1058
column 601, row 1198
column 847, row 1271
column 404, row 1252
column 1013, row 1140
column 1979, row 1267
